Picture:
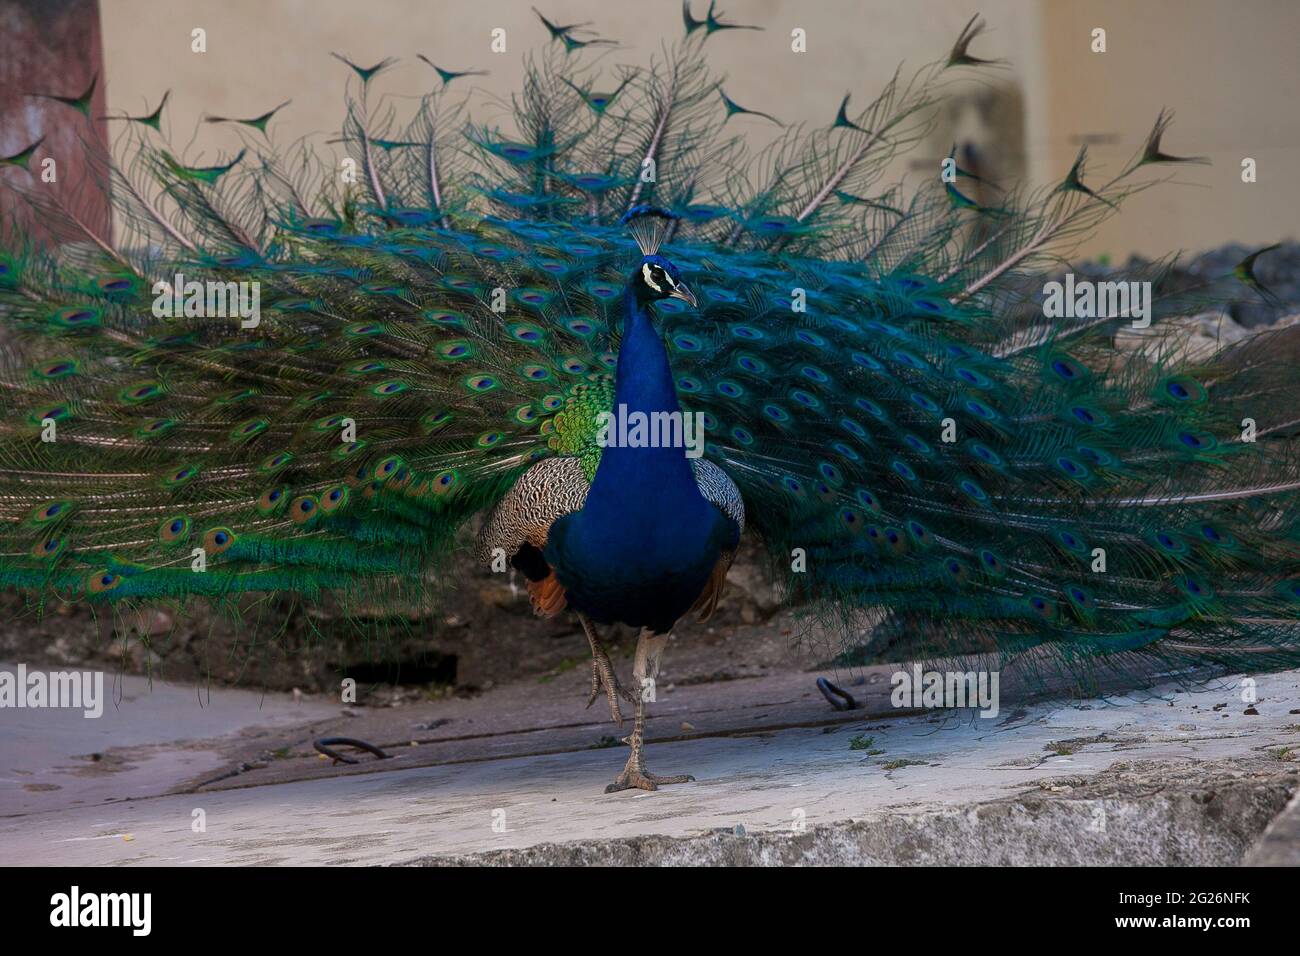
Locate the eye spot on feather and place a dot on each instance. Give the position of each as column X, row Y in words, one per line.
column 174, row 529
column 868, row 501
column 57, row 413
column 142, row 392
column 334, row 499
column 218, row 541
column 101, row 582
column 431, row 421
column 1197, row 441
column 347, row 449
column 1071, row 467
column 776, row 413
column 1067, row 370
column 249, row 429
column 444, row 317
column 910, row 360
column 925, row 402
column 1095, row 456
column 1169, row 542
column 56, row 370
column 902, row 470
column 992, row 563
column 1183, row 390
column 387, row 467
column 76, row 318
column 1042, row 607
column 871, row 408
column 527, row 333
column 456, row 350
column 853, row 428
column 181, row 475
column 1071, row 542
column 444, row 482
column 303, row 509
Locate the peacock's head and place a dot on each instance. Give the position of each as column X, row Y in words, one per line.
column 658, row 278
column 655, row 278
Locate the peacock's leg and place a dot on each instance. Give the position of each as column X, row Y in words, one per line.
column 602, row 674
column 645, row 670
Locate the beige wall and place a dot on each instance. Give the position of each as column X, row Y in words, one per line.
column 1226, row 67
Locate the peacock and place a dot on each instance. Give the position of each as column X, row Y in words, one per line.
column 613, row 342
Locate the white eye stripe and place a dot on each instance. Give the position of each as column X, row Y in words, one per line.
column 648, row 275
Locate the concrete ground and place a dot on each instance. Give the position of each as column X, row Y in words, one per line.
column 516, row 775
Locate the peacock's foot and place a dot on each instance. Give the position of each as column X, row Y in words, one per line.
column 636, row 777
column 604, row 679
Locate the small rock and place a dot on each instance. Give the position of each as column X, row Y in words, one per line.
column 738, row 829
column 1251, row 711
column 687, row 727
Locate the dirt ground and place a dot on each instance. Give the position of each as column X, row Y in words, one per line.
column 482, row 635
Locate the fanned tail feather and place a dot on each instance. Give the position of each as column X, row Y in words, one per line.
column 863, row 365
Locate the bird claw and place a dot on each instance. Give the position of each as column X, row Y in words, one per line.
column 604, row 678
column 633, row 779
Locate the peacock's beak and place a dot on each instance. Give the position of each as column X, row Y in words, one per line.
column 680, row 291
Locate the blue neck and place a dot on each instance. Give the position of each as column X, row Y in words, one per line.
column 643, row 382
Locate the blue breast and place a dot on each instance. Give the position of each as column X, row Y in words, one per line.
column 643, row 545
